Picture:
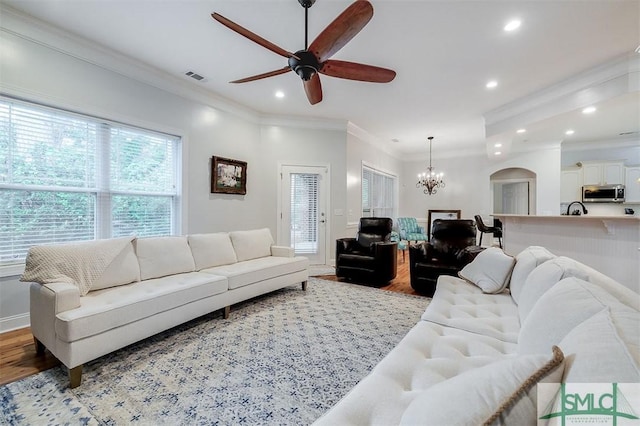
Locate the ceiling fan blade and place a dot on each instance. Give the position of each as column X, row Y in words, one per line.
column 313, row 89
column 355, row 71
column 251, row 36
column 341, row 30
column 263, row 75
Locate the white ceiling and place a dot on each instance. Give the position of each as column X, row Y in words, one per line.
column 444, row 52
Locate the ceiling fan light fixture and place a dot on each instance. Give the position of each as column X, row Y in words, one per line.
column 305, row 64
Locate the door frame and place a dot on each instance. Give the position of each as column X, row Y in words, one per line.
column 279, row 216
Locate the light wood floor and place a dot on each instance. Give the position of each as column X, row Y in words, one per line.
column 18, row 355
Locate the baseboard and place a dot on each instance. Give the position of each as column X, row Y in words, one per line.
column 14, row 322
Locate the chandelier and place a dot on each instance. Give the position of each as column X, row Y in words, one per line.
column 430, row 180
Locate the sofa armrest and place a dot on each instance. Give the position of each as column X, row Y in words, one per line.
column 45, row 302
column 384, row 249
column 282, row 251
column 60, row 296
column 345, row 245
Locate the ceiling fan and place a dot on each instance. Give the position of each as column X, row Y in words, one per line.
column 314, row 59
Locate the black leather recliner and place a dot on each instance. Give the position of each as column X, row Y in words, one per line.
column 370, row 258
column 451, row 247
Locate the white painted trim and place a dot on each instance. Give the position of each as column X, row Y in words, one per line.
column 372, row 140
column 29, row 28
column 603, row 82
column 11, row 270
column 14, row 322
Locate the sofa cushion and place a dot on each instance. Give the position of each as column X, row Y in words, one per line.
column 490, row 270
column 427, row 355
column 543, row 278
column 252, row 244
column 456, row 303
column 568, row 303
column 526, row 261
column 114, row 307
column 162, row 256
column 252, row 271
column 82, row 264
column 124, row 269
column 502, row 392
column 211, row 250
column 597, row 353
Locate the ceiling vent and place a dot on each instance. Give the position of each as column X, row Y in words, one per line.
column 194, row 75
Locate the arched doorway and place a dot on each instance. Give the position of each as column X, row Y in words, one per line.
column 513, row 191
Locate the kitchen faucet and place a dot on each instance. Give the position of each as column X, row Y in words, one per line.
column 584, row 209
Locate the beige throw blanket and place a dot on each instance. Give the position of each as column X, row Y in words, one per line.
column 80, row 264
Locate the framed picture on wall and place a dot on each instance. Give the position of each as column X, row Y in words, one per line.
column 228, row 176
column 440, row 214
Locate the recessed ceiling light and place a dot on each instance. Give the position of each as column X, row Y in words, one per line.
column 569, row 132
column 492, row 84
column 497, row 153
column 521, row 130
column 279, row 94
column 512, row 25
column 498, row 145
column 589, row 110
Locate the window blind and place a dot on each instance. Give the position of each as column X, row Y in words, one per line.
column 68, row 177
column 304, row 212
column 378, row 193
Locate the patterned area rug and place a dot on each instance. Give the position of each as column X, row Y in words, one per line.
column 282, row 358
column 316, row 270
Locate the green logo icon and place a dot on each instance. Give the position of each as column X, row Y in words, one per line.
column 587, row 403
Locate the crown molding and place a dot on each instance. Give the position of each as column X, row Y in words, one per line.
column 36, row 31
column 606, row 81
column 372, row 140
column 599, row 144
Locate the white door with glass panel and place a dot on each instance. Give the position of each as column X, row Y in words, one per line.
column 303, row 223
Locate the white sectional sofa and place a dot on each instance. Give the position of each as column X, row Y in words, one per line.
column 478, row 351
column 89, row 299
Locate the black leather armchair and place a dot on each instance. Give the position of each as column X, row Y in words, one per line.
column 451, row 247
column 371, row 257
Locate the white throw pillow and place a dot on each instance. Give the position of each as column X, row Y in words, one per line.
column 567, row 304
column 596, row 353
column 543, row 278
column 81, row 264
column 162, row 256
column 490, row 270
column 211, row 250
column 123, row 270
column 504, row 391
column 526, row 261
column 252, row 244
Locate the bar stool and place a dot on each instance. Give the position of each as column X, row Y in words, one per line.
column 484, row 229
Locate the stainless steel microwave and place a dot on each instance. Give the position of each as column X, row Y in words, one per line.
column 603, row 194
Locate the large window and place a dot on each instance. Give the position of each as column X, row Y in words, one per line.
column 67, row 177
column 378, row 193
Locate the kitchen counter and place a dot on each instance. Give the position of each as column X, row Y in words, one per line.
column 610, row 244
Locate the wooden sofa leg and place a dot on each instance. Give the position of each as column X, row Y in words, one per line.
column 304, row 286
column 226, row 312
column 75, row 376
column 39, row 346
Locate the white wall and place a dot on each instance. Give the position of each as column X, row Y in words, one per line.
column 468, row 183
column 35, row 72
column 467, row 187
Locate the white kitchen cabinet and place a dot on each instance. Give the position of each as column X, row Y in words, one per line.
column 603, row 173
column 632, row 185
column 570, row 185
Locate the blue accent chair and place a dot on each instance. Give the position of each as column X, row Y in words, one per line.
column 410, row 231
